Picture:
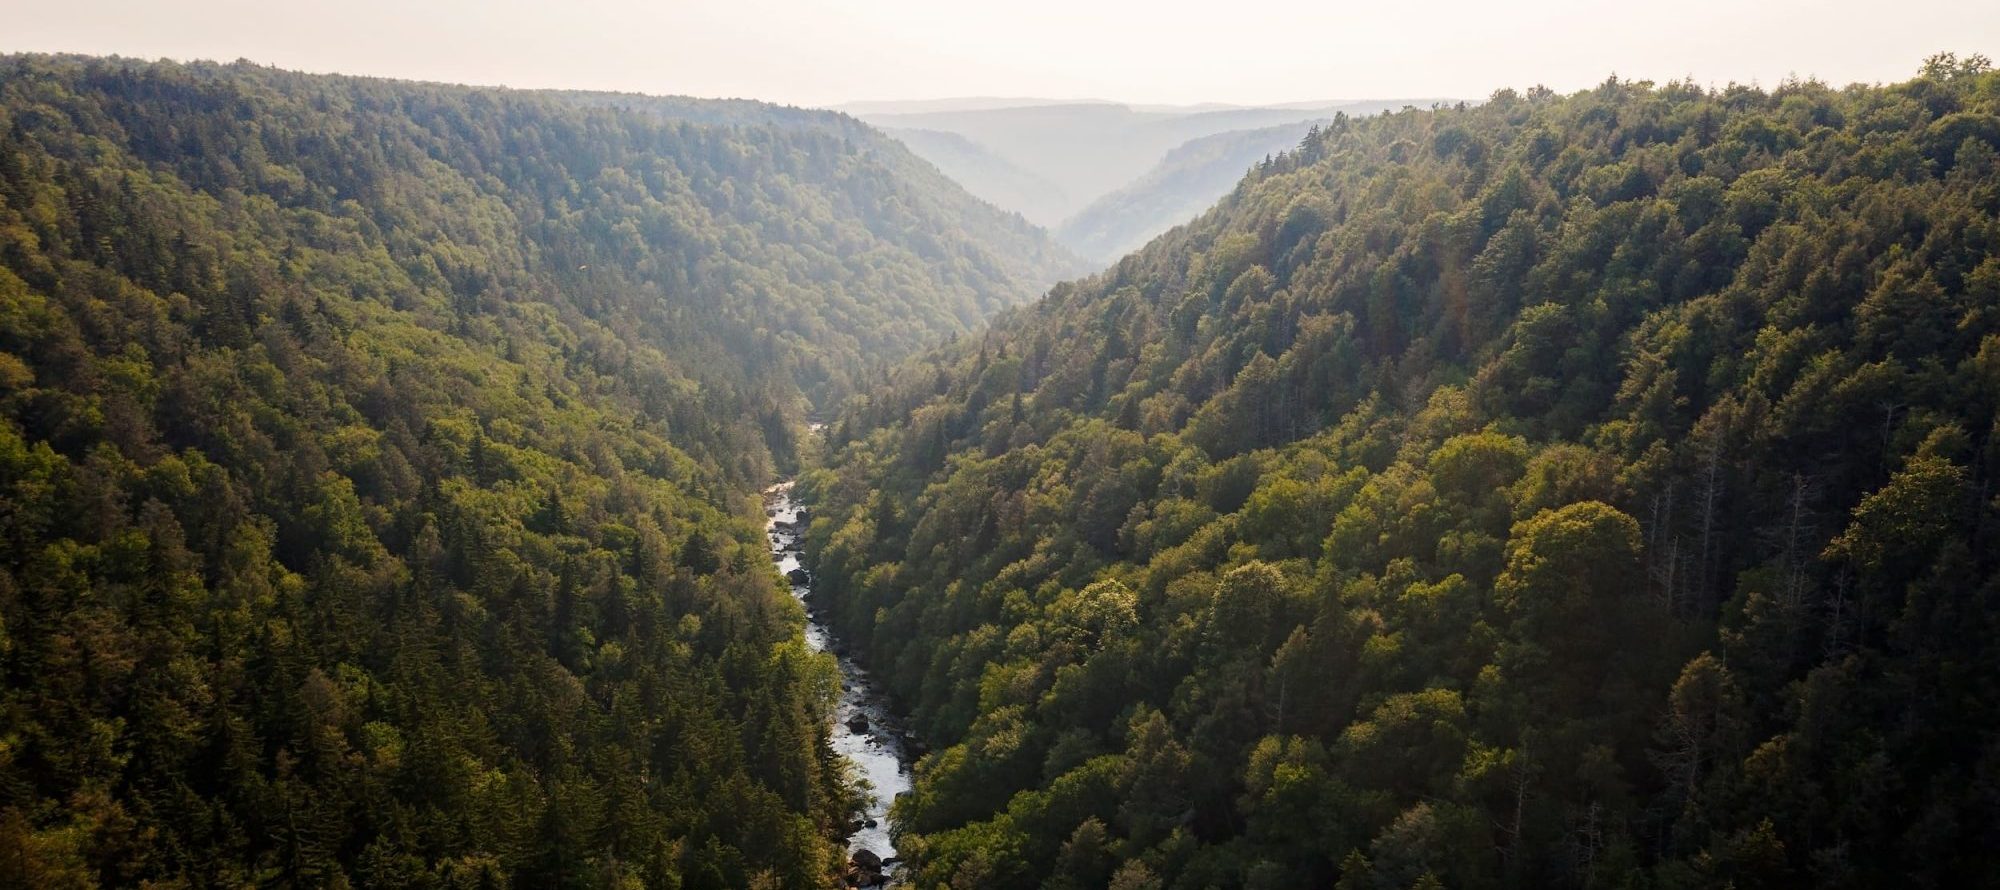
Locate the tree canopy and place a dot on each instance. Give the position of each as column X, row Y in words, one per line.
column 1587, row 490
column 376, row 472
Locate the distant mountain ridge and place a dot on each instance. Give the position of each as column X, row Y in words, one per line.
column 1187, row 181
column 995, row 103
column 984, row 173
column 1051, row 161
column 963, row 103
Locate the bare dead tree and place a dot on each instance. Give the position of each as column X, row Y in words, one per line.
column 1523, row 775
column 1587, row 840
column 1888, row 426
column 1710, row 497
column 1798, row 527
column 1839, row 614
column 1663, row 547
column 1667, row 572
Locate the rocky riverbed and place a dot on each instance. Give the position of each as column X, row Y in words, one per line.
column 864, row 729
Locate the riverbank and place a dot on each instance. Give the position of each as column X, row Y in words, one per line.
column 865, row 730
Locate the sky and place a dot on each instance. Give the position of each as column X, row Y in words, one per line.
column 825, row 52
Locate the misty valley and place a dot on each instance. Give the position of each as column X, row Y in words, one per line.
column 406, row 484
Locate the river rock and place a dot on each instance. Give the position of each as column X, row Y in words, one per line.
column 800, row 577
column 865, row 869
column 857, row 724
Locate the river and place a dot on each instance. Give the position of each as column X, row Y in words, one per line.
column 873, row 742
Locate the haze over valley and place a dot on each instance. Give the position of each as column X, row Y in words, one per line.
column 614, row 445
column 1051, row 161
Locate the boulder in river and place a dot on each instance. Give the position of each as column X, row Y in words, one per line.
column 865, row 869
column 857, row 724
column 800, row 577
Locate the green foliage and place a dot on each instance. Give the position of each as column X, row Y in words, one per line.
column 375, row 463
column 1564, row 491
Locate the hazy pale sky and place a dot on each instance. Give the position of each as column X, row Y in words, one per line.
column 813, row 52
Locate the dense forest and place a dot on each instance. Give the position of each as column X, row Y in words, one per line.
column 377, row 472
column 1590, row 490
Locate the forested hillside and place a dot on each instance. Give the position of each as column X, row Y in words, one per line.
column 1590, row 490
column 796, row 241
column 377, row 465
column 1015, row 260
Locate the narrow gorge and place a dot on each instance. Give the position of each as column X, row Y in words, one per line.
column 865, row 730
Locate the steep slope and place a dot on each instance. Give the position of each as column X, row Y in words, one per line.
column 1185, row 182
column 1585, row 491
column 985, row 174
column 377, row 473
column 845, row 248
column 1021, row 259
